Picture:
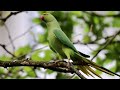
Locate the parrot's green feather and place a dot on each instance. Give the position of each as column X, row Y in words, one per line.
column 61, row 44
column 91, row 70
column 84, row 70
column 52, row 49
column 87, row 56
column 64, row 39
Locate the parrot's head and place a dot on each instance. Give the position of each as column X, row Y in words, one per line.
column 47, row 17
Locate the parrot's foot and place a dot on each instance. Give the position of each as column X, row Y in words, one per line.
column 69, row 64
column 57, row 61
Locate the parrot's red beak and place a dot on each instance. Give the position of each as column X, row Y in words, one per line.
column 42, row 18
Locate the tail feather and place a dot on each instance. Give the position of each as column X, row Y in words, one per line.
column 100, row 68
column 91, row 70
column 81, row 68
column 94, row 65
column 85, row 71
column 88, row 70
column 105, row 70
column 84, row 55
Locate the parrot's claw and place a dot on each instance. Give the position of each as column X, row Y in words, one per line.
column 57, row 61
column 69, row 64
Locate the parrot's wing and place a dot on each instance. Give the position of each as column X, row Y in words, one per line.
column 87, row 56
column 66, row 41
column 52, row 49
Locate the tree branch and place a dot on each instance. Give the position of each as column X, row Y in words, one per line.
column 76, row 71
column 12, row 13
column 61, row 66
column 107, row 43
column 58, row 65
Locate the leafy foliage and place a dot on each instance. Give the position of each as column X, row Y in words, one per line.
column 45, row 55
column 23, row 50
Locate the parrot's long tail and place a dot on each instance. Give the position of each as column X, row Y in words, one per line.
column 86, row 67
column 88, row 70
column 103, row 69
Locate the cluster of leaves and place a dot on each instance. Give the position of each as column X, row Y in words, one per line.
column 100, row 24
column 67, row 20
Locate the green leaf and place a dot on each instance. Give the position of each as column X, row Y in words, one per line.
column 29, row 71
column 113, row 69
column 36, row 20
column 2, row 71
column 76, row 77
column 5, row 58
column 86, row 39
column 43, row 55
column 23, row 50
column 96, row 20
column 49, row 71
column 62, row 76
column 116, row 22
column 77, row 13
column 42, row 38
column 107, row 61
column 86, row 30
column 99, row 61
column 15, row 70
column 48, row 55
column 111, row 12
column 35, row 56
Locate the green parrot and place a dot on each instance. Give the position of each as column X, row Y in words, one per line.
column 61, row 44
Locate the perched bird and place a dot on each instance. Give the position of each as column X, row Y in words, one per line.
column 61, row 44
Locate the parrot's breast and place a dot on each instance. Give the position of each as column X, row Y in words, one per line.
column 56, row 44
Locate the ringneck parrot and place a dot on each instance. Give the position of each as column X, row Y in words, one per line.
column 61, row 44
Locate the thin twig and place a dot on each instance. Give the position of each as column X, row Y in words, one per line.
column 95, row 41
column 39, row 48
column 89, row 47
column 91, row 27
column 107, row 43
column 29, row 53
column 4, row 47
column 21, row 35
column 12, row 13
column 71, row 76
column 10, row 38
